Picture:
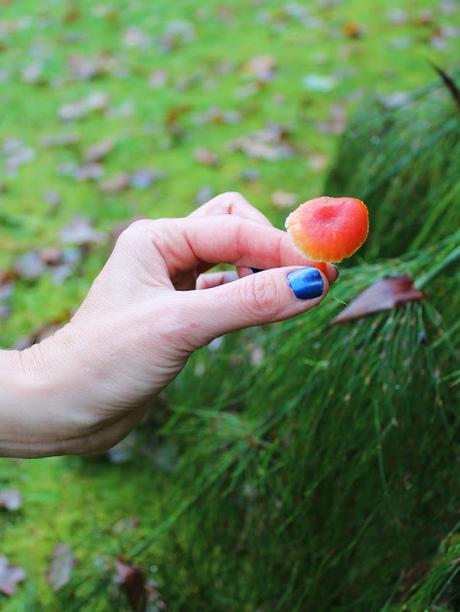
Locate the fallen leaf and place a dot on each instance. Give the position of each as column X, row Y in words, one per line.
column 116, row 183
column 16, row 153
column 145, row 178
column 88, row 172
column 81, row 232
column 158, row 79
column 335, row 123
column 10, row 577
column 60, row 140
column 29, row 266
column 284, row 199
column 52, row 198
column 204, row 194
column 318, row 161
column 249, row 175
column 397, row 17
column 99, row 151
column 385, row 294
column 352, row 29
column 33, row 74
column 270, row 143
column 86, row 68
column 10, row 499
column 134, row 37
column 217, row 116
column 205, row 157
column 95, row 102
column 319, row 83
column 132, row 581
column 61, row 567
column 262, row 67
column 177, row 34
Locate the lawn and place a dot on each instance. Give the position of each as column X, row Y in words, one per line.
column 183, row 100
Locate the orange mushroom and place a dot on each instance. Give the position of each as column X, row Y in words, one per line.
column 329, row 229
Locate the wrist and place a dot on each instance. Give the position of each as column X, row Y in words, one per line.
column 39, row 412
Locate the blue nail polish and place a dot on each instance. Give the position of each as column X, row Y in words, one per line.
column 306, row 283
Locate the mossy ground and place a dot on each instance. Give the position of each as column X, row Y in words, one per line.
column 80, row 501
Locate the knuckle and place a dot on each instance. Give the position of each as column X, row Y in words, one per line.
column 262, row 295
column 233, row 197
column 134, row 231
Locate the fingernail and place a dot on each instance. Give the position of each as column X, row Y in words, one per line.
column 337, row 271
column 255, row 270
column 306, row 283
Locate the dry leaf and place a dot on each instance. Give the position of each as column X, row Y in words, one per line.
column 85, row 68
column 96, row 101
column 284, row 199
column 115, row 184
column 386, row 293
column 270, row 143
column 10, row 576
column 145, row 178
column 132, row 581
column 99, row 151
column 60, row 140
column 158, row 79
column 10, row 499
column 352, row 29
column 205, row 157
column 262, row 67
column 62, row 564
column 80, row 231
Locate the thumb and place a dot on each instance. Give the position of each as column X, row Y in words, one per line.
column 265, row 297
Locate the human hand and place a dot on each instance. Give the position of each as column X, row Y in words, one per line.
column 151, row 306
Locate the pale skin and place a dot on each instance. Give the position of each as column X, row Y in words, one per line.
column 154, row 303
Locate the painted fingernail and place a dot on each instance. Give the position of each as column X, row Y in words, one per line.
column 255, row 270
column 337, row 271
column 306, row 283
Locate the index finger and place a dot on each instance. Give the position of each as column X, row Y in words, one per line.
column 184, row 243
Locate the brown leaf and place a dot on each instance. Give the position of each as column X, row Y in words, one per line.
column 61, row 567
column 86, row 68
column 115, row 184
column 385, row 294
column 284, row 199
column 144, row 178
column 81, row 232
column 99, row 151
column 60, row 140
column 94, row 102
column 270, row 143
column 10, row 576
column 132, row 581
column 352, row 29
column 262, row 67
column 158, row 79
column 206, row 157
column 10, row 499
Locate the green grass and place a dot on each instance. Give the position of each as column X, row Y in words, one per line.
column 79, row 501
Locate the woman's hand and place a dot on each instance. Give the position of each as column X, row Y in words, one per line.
column 152, row 305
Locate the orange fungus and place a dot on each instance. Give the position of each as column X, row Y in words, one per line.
column 329, row 229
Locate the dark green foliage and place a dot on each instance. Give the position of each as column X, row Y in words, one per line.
column 405, row 164
column 325, row 475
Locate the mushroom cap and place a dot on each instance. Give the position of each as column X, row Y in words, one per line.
column 329, row 229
